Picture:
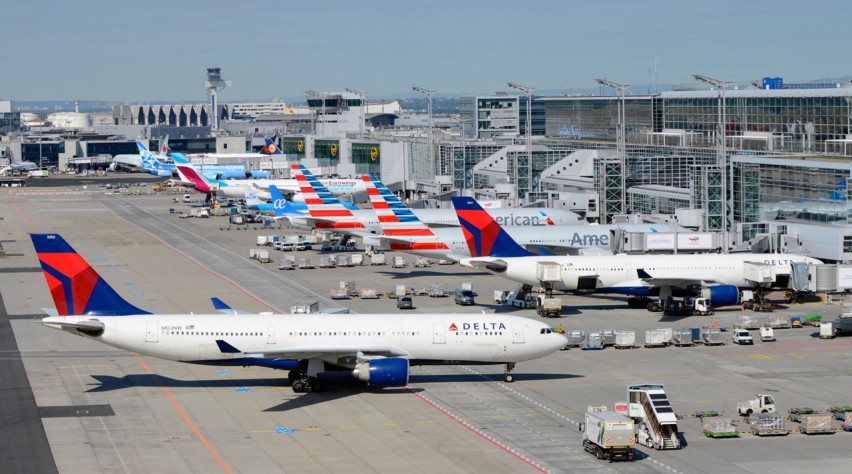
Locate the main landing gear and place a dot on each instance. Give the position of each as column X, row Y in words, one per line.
column 507, row 375
column 301, row 383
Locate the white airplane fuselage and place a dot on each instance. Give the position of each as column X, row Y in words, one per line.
column 425, row 338
column 619, row 272
column 236, row 188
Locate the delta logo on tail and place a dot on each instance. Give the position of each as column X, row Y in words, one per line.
column 76, row 287
column 484, row 236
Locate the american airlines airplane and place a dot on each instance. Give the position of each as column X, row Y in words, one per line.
column 640, row 276
column 326, row 212
column 377, row 348
column 403, row 231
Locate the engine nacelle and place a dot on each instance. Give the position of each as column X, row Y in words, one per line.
column 723, row 295
column 257, row 174
column 161, row 173
column 390, row 372
column 297, row 197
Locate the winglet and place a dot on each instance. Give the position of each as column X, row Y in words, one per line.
column 76, row 288
column 484, row 236
column 226, row 348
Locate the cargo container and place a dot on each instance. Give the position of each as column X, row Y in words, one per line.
column 767, row 424
column 625, row 339
column 719, row 427
column 816, row 423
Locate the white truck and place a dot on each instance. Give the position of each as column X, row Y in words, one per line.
column 762, row 403
column 608, row 435
column 742, row 336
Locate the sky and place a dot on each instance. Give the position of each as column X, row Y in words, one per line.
column 156, row 50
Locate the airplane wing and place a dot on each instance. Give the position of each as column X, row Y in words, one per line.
column 679, row 282
column 301, row 353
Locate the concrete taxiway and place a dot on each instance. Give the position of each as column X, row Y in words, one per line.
column 85, row 407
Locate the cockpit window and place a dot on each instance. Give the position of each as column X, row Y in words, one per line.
column 546, row 331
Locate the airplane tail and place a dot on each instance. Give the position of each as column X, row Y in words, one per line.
column 280, row 205
column 189, row 175
column 76, row 287
column 151, row 164
column 484, row 236
column 321, row 203
column 271, row 148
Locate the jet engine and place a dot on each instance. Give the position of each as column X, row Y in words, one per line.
column 297, row 197
column 723, row 295
column 161, row 173
column 390, row 372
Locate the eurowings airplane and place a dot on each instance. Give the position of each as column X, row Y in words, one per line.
column 403, row 231
column 640, row 276
column 377, row 348
column 326, row 212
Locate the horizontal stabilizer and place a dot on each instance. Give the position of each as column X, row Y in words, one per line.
column 224, row 308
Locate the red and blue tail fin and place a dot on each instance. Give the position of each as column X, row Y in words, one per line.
column 321, row 203
column 484, row 236
column 76, row 287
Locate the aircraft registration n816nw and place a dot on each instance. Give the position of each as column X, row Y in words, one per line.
column 377, row 348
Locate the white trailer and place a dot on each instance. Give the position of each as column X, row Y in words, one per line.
column 608, row 435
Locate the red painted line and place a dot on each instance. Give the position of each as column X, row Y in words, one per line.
column 183, row 414
column 457, row 420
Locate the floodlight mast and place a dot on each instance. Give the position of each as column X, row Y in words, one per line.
column 429, row 113
column 363, row 96
column 527, row 125
column 620, row 137
column 721, row 138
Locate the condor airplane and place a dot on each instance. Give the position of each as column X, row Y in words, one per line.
column 640, row 276
column 326, row 212
column 403, row 231
column 377, row 348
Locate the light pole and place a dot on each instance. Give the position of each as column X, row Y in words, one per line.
column 528, row 126
column 363, row 96
column 721, row 140
column 429, row 113
column 620, row 136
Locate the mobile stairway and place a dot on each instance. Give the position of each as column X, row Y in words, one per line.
column 656, row 421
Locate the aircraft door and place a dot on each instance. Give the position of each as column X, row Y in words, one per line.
column 438, row 334
column 152, row 331
column 517, row 333
column 270, row 335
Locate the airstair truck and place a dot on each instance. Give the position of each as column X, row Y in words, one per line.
column 608, row 435
column 656, row 422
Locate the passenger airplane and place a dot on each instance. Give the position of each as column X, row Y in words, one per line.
column 640, row 276
column 377, row 348
column 326, row 212
column 403, row 231
column 236, row 188
column 253, row 203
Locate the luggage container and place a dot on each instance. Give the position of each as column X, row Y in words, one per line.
column 607, row 337
column 422, row 262
column 719, row 427
column 262, row 256
column 777, row 321
column 696, row 335
column 344, row 261
column 712, row 337
column 398, row 262
column 357, row 259
column 575, row 338
column 287, row 263
column 668, row 332
column 682, row 337
column 369, row 294
column 594, row 341
column 826, row 330
column 305, row 307
column 326, row 262
column 339, row 294
column 305, row 263
column 655, row 338
column 377, row 259
column 625, row 339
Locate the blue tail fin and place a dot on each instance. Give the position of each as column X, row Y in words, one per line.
column 75, row 286
column 280, row 204
column 271, row 148
column 484, row 236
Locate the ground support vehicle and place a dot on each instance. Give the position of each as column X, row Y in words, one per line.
column 762, row 403
column 719, row 427
column 550, row 308
column 742, row 336
column 767, row 334
column 796, row 414
column 767, row 424
column 608, row 435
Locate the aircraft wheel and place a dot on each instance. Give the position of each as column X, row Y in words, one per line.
column 508, row 378
column 634, row 302
column 299, row 386
column 294, row 375
column 315, row 385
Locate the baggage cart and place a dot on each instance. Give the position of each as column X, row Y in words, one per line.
column 713, row 337
column 369, row 294
column 339, row 294
column 767, row 424
column 593, row 342
column 607, row 337
column 305, row 263
column 816, row 423
column 796, row 414
column 377, row 259
column 719, row 427
column 287, row 263
column 682, row 337
column 575, row 338
column 326, row 262
column 655, row 338
column 344, row 261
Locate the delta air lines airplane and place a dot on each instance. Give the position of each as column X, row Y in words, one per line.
column 377, row 348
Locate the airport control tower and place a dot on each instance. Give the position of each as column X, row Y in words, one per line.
column 214, row 84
